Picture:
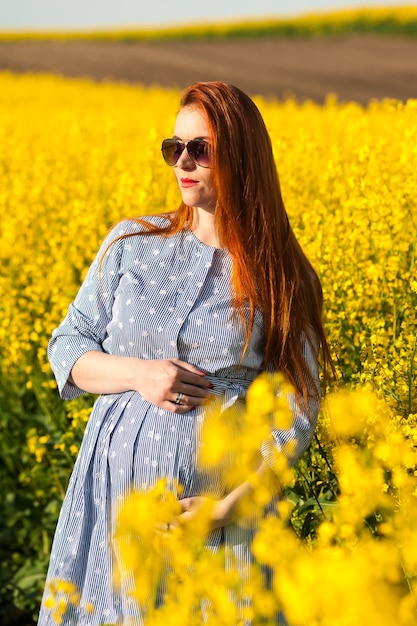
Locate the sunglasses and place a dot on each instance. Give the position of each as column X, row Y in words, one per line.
column 198, row 151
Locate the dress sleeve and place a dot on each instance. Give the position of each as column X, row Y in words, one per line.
column 296, row 439
column 85, row 326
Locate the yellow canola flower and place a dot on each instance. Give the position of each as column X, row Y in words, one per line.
column 62, row 595
column 267, row 396
column 358, row 594
column 218, row 438
column 331, row 585
column 75, row 157
column 352, row 413
column 347, row 174
column 143, row 512
column 141, row 538
column 232, row 439
column 397, row 20
column 362, row 490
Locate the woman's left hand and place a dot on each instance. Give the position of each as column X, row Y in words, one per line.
column 219, row 512
column 215, row 513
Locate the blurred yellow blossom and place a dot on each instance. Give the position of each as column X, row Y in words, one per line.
column 75, row 157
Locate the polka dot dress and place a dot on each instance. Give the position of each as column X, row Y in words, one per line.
column 150, row 297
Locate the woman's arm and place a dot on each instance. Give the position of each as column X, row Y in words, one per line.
column 236, row 503
column 81, row 363
column 158, row 381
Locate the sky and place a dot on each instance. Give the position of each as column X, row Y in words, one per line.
column 85, row 14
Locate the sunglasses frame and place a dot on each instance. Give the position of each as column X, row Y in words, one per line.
column 179, row 145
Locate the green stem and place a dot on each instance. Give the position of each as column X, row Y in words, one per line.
column 411, row 376
column 408, row 581
column 326, row 460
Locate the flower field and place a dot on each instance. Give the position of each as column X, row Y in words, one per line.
column 75, row 157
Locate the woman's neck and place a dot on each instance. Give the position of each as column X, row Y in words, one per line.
column 204, row 228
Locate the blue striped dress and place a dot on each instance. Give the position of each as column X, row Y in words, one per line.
column 150, row 297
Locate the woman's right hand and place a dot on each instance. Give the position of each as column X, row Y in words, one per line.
column 164, row 381
column 159, row 381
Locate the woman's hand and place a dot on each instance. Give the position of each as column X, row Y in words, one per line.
column 172, row 384
column 216, row 513
column 213, row 513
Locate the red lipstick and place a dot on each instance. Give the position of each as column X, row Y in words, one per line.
column 188, row 182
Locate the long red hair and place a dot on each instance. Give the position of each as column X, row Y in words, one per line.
column 270, row 271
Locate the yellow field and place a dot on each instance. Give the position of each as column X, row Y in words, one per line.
column 75, row 157
column 395, row 20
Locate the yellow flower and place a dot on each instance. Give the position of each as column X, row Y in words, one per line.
column 348, row 175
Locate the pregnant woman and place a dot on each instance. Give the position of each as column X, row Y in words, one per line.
column 178, row 309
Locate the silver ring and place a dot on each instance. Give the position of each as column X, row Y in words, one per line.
column 179, row 398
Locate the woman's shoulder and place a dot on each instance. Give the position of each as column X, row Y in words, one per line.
column 121, row 232
column 141, row 224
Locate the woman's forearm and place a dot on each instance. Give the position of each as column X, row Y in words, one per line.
column 101, row 373
column 237, row 501
column 160, row 381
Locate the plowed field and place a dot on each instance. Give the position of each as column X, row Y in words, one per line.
column 353, row 67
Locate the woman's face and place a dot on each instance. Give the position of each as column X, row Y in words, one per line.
column 194, row 181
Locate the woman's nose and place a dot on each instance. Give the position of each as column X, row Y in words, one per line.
column 185, row 162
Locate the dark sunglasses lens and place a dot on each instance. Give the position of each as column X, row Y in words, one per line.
column 199, row 151
column 171, row 151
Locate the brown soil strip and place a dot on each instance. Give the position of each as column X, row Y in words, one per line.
column 355, row 67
